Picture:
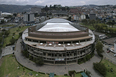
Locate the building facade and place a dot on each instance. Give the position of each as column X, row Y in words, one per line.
column 58, row 41
column 28, row 18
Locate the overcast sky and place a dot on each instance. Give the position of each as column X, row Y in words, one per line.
column 62, row 2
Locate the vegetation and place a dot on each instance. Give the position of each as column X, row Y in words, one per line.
column 11, row 68
column 106, row 68
column 99, row 48
column 39, row 61
column 86, row 58
column 110, row 68
column 72, row 73
column 100, row 26
column 100, row 67
column 7, row 25
column 14, row 34
column 25, row 53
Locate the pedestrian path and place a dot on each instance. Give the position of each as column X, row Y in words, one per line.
column 7, row 50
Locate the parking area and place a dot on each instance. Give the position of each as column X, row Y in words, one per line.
column 108, row 54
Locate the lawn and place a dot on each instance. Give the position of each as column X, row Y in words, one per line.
column 109, row 65
column 9, row 67
column 8, row 25
column 15, row 32
column 88, row 26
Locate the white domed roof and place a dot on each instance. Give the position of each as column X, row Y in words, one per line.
column 57, row 20
column 58, row 25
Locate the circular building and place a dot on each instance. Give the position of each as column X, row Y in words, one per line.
column 58, row 41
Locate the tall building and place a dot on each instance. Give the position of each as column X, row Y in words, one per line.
column 28, row 18
column 58, row 41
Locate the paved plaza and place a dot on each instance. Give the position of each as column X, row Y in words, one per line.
column 57, row 69
column 7, row 50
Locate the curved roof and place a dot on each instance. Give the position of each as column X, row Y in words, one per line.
column 57, row 25
column 57, row 20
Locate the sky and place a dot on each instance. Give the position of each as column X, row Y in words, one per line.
column 62, row 2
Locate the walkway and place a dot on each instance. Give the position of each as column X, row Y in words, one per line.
column 57, row 69
column 7, row 50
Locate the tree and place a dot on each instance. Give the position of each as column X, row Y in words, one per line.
column 46, row 8
column 12, row 41
column 113, row 22
column 39, row 61
column 69, row 18
column 71, row 73
column 84, row 21
column 15, row 14
column 109, row 23
column 2, row 21
column 99, row 48
column 100, row 67
column 25, row 53
column 0, row 39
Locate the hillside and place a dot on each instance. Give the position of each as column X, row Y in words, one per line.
column 16, row 8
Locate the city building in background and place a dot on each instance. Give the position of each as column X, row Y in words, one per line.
column 28, row 18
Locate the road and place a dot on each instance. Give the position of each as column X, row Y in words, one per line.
column 109, row 55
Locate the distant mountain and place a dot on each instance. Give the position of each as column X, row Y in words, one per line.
column 16, row 8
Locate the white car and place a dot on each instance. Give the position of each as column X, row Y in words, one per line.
column 114, row 55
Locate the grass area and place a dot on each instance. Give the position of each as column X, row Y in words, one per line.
column 14, row 31
column 8, row 25
column 9, row 68
column 78, row 75
column 88, row 26
column 109, row 65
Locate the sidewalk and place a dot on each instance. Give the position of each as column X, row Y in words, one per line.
column 7, row 50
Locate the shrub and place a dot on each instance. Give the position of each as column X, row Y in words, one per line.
column 71, row 73
column 100, row 67
column 39, row 61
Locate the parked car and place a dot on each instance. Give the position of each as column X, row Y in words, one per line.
column 114, row 55
column 108, row 51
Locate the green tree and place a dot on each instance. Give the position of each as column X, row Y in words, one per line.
column 12, row 41
column 2, row 21
column 99, row 47
column 39, row 61
column 84, row 21
column 25, row 53
column 69, row 18
column 100, row 67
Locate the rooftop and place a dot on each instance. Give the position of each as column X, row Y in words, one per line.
column 58, row 27
column 57, row 20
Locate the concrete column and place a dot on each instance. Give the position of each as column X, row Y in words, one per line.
column 46, row 54
column 71, row 42
column 62, row 55
column 79, row 42
column 66, row 61
column 54, row 62
column 72, row 54
column 77, row 61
